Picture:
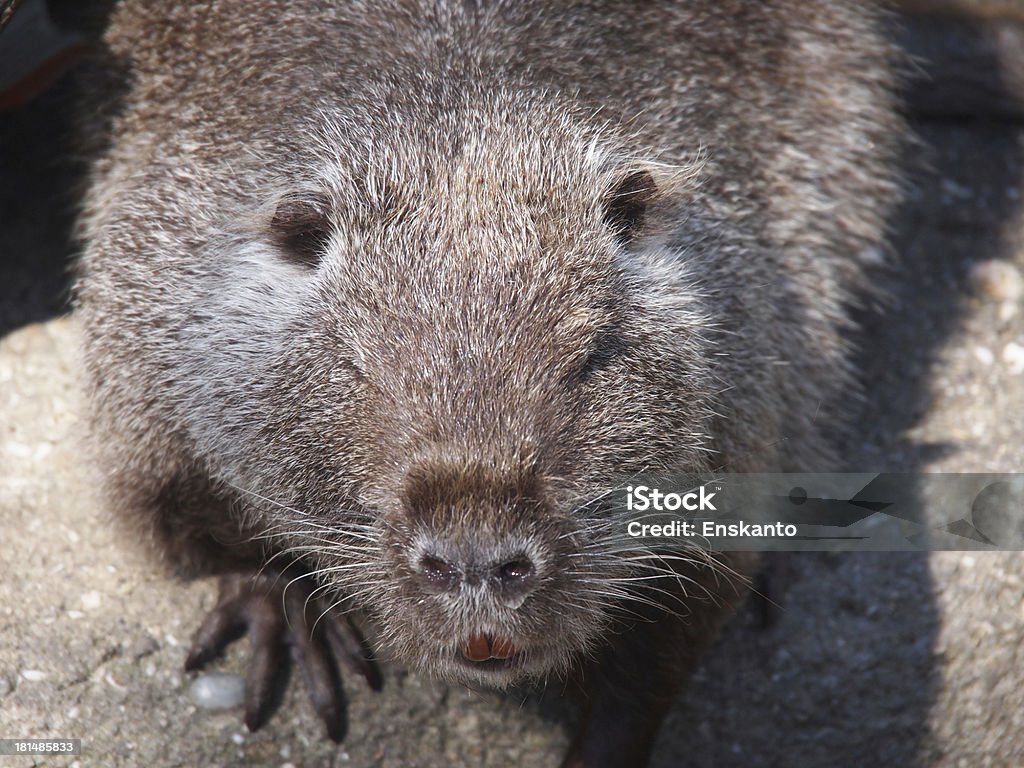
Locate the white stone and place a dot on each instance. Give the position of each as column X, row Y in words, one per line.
column 217, row 690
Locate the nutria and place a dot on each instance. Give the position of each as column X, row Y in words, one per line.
column 397, row 298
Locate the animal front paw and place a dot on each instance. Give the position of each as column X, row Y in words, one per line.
column 279, row 611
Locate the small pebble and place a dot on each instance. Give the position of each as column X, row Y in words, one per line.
column 997, row 280
column 1007, row 311
column 113, row 683
column 217, row 690
column 984, row 355
column 238, row 738
column 33, row 675
column 1013, row 356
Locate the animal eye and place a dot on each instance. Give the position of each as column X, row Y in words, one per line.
column 594, row 362
column 626, row 204
column 606, row 348
column 302, row 230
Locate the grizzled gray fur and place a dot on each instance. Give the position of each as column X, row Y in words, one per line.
column 408, row 290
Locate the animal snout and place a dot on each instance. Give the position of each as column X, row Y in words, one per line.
column 510, row 575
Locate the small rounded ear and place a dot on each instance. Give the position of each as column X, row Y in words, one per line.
column 302, row 229
column 626, row 204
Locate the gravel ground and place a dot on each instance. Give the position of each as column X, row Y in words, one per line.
column 896, row 659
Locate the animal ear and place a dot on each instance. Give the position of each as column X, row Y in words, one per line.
column 626, row 204
column 302, row 229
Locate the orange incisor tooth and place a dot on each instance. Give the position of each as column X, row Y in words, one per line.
column 477, row 649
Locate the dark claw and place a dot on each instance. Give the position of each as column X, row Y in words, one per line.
column 770, row 584
column 220, row 628
column 313, row 656
column 352, row 650
column 276, row 609
column 266, row 638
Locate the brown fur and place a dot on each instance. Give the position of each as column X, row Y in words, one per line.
column 378, row 284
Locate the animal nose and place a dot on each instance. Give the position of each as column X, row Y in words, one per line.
column 510, row 576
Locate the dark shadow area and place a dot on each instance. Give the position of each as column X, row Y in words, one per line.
column 41, row 172
column 37, row 202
